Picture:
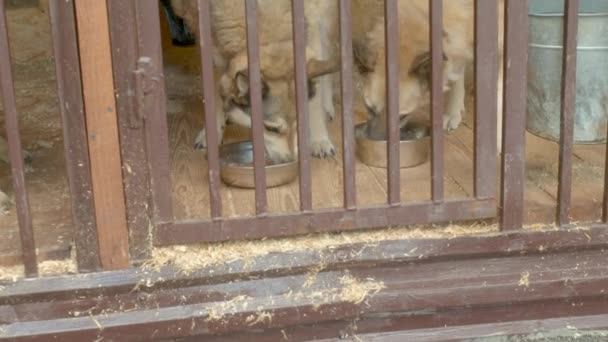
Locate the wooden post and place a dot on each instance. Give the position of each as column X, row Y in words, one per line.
column 102, row 131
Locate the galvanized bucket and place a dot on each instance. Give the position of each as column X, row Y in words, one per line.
column 544, row 70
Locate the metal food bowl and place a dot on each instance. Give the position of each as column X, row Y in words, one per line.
column 413, row 149
column 236, row 167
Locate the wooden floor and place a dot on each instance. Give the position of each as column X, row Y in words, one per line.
column 41, row 134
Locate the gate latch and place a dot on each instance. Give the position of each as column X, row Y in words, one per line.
column 145, row 85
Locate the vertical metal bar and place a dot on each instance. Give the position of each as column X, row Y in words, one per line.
column 436, row 46
column 486, row 70
column 564, row 188
column 136, row 176
column 605, row 206
column 514, row 115
column 257, row 117
column 207, row 76
column 26, row 230
column 76, row 150
column 154, row 107
column 299, row 51
column 348, row 126
column 392, row 99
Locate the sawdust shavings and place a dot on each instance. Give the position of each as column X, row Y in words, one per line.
column 219, row 310
column 191, row 258
column 348, row 290
column 46, row 268
column 524, row 281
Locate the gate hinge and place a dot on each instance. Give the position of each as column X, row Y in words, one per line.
column 145, row 85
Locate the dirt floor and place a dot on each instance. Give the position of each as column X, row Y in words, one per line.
column 49, row 195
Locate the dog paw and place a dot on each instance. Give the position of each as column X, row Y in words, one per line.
column 451, row 122
column 322, row 148
column 200, row 143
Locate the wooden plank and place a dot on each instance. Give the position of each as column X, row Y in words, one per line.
column 104, row 149
column 132, row 136
column 76, row 151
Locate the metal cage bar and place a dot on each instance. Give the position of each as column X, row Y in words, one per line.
column 299, row 54
column 209, row 89
column 437, row 98
column 392, row 100
column 255, row 94
column 514, row 114
column 568, row 102
column 346, row 83
column 151, row 100
column 486, row 78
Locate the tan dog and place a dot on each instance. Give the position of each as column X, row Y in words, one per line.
column 415, row 61
column 276, row 62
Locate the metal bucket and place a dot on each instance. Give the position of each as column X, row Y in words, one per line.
column 545, row 64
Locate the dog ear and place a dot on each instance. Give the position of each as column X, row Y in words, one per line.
column 365, row 59
column 421, row 67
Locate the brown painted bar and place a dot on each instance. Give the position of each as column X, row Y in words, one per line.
column 207, row 77
column 102, row 130
column 348, row 125
column 392, row 100
column 152, row 105
column 514, row 115
column 568, row 103
column 436, row 46
column 605, row 206
column 321, row 221
column 136, row 176
column 11, row 118
column 257, row 117
column 299, row 52
column 486, row 74
column 76, row 150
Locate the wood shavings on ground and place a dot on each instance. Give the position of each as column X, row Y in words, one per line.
column 349, row 290
column 47, row 268
column 346, row 289
column 356, row 291
column 222, row 309
column 188, row 259
column 524, row 281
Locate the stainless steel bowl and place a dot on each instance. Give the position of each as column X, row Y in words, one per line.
column 413, row 149
column 236, row 167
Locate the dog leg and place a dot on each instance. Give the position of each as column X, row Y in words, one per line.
column 200, row 142
column 321, row 104
column 320, row 144
column 455, row 105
